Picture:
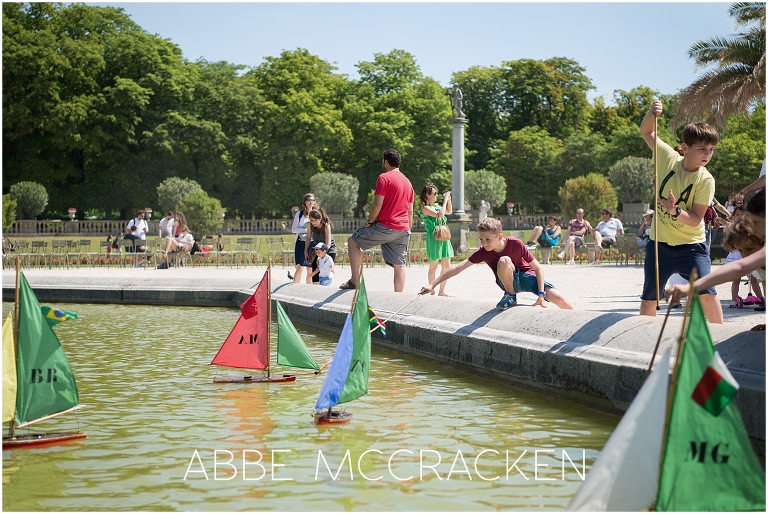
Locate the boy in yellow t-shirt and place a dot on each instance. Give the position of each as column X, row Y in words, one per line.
column 685, row 189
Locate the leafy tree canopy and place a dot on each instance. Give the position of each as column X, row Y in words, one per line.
column 528, row 162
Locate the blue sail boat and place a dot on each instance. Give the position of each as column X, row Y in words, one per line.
column 347, row 377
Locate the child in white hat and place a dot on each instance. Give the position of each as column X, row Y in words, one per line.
column 324, row 264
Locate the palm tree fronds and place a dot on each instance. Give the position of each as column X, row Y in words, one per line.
column 737, row 81
column 747, row 12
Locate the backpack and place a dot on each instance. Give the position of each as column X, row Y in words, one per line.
column 710, row 215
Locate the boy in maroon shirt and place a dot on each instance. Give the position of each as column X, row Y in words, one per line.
column 516, row 270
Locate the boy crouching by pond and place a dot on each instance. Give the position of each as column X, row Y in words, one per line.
column 515, row 268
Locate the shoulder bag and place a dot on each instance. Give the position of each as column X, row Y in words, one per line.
column 441, row 232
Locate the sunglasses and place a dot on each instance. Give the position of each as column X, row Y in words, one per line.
column 310, row 200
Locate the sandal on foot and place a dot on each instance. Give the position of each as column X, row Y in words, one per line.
column 348, row 285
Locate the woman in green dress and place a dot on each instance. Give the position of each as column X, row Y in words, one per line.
column 437, row 251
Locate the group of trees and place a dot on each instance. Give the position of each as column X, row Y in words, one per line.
column 101, row 113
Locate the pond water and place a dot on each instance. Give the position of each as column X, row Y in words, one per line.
column 162, row 436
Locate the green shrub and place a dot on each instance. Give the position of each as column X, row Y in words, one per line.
column 172, row 191
column 593, row 193
column 484, row 185
column 31, row 199
column 203, row 213
column 632, row 177
column 335, row 192
column 9, row 212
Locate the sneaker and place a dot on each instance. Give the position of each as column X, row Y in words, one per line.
column 507, row 301
column 677, row 305
column 571, row 262
column 561, row 255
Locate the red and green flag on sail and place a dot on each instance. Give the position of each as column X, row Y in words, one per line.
column 716, row 388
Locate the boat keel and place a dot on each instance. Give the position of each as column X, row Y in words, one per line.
column 30, row 440
column 334, row 418
column 253, row 379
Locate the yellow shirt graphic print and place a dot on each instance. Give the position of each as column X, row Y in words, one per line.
column 688, row 188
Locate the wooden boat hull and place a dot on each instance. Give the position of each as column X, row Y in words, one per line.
column 30, row 440
column 335, row 418
column 253, row 379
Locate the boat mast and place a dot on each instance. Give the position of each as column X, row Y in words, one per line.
column 269, row 313
column 12, row 426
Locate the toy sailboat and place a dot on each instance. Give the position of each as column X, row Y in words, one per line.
column 348, row 375
column 247, row 345
column 684, row 451
column 38, row 382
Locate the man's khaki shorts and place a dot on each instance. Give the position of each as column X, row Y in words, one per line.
column 394, row 243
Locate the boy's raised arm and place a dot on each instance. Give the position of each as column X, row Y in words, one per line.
column 647, row 125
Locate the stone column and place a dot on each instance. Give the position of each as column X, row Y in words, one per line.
column 457, row 165
column 458, row 221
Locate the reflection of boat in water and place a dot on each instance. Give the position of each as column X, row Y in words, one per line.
column 38, row 382
column 684, row 451
column 347, row 377
column 247, row 345
column 246, row 415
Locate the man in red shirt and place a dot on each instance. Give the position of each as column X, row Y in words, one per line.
column 389, row 223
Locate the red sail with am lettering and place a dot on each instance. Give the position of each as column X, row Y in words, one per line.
column 247, row 345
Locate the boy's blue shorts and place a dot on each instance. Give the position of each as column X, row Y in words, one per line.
column 674, row 259
column 525, row 282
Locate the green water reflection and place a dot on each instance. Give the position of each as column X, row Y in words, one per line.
column 144, row 374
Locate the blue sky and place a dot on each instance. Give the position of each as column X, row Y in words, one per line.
column 621, row 45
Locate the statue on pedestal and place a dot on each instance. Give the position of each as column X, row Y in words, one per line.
column 483, row 210
column 458, row 103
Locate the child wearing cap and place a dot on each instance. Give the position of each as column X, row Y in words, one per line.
column 325, row 267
